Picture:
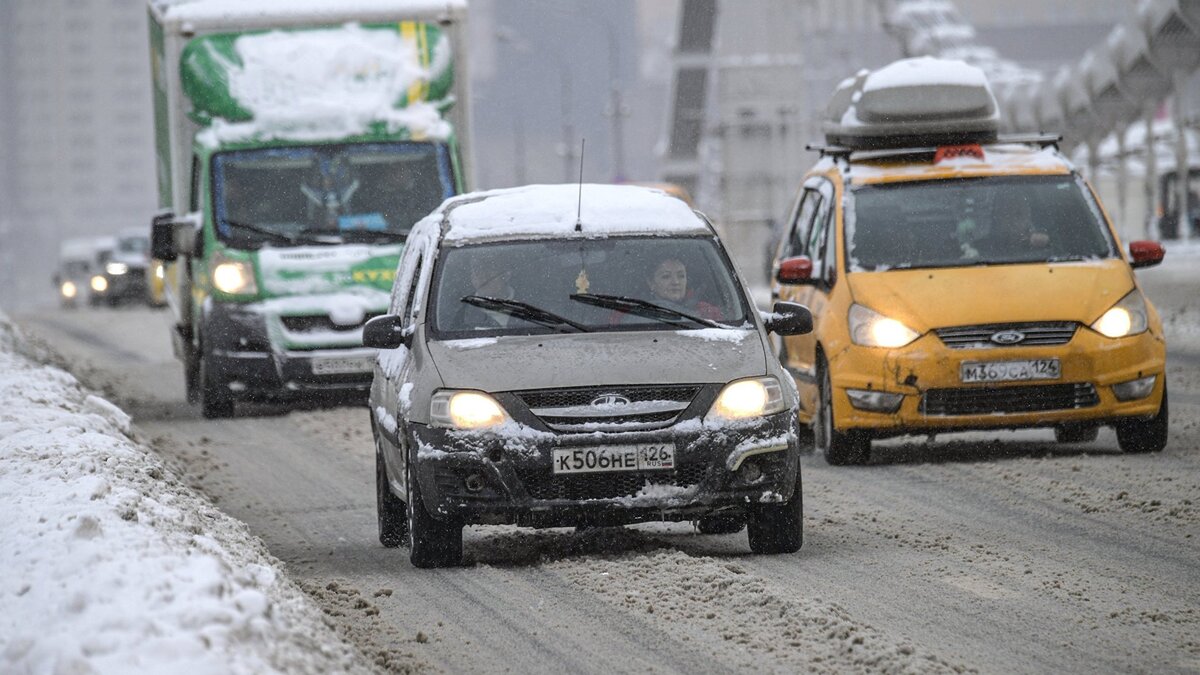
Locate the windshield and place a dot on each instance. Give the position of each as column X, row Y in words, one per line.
column 627, row 283
column 328, row 194
column 974, row 221
column 133, row 245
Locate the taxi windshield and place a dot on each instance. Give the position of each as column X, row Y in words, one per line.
column 585, row 285
column 974, row 221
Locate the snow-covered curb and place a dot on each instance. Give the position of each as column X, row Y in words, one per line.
column 109, row 564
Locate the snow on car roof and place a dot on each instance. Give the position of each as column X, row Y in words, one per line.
column 246, row 14
column 1000, row 159
column 550, row 210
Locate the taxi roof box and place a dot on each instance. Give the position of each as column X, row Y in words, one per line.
column 912, row 103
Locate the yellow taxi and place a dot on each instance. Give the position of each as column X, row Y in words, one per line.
column 960, row 280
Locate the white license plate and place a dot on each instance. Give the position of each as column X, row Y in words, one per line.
column 643, row 457
column 332, row 365
column 1010, row 371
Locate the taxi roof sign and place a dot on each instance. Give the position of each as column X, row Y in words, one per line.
column 912, row 102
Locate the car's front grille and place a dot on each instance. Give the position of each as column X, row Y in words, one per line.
column 319, row 323
column 618, row 408
column 545, row 485
column 1010, row 400
column 1008, row 335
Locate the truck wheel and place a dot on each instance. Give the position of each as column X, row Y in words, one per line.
column 393, row 520
column 778, row 528
column 215, row 401
column 720, row 523
column 432, row 542
column 1140, row 436
column 1076, row 433
column 839, row 447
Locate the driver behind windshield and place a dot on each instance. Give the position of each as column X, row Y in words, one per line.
column 668, row 283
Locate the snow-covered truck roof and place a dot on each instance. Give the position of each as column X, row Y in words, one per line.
column 217, row 15
column 535, row 211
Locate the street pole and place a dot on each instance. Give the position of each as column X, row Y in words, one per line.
column 568, row 130
column 616, row 106
column 1181, row 160
column 1151, row 186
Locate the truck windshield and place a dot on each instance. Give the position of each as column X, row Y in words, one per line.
column 584, row 285
column 974, row 221
column 328, row 194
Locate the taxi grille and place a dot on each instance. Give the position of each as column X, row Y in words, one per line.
column 1025, row 399
column 545, row 485
column 1035, row 334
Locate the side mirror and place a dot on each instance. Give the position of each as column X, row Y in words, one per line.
column 1145, row 253
column 162, row 237
column 789, row 318
column 386, row 332
column 795, row 271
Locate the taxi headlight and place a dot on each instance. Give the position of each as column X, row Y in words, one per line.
column 1127, row 317
column 235, row 277
column 68, row 289
column 116, row 268
column 752, row 397
column 872, row 329
column 99, row 284
column 465, row 410
column 158, row 270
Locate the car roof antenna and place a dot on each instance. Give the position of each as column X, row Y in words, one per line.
column 579, row 205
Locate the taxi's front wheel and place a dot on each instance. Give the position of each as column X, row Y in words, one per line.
column 839, row 447
column 1139, row 436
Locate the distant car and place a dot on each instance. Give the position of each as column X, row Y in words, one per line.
column 76, row 259
column 961, row 281
column 550, row 371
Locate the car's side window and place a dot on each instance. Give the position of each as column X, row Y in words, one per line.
column 405, row 277
column 815, row 245
column 798, row 237
column 415, row 293
column 823, row 254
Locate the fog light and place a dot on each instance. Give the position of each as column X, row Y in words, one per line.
column 750, row 472
column 473, row 483
column 1135, row 389
column 875, row 401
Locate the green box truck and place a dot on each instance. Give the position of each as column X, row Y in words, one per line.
column 298, row 142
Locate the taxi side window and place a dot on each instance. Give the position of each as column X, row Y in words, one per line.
column 797, row 243
column 815, row 246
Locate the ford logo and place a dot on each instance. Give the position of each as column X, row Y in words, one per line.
column 1008, row 337
column 607, row 400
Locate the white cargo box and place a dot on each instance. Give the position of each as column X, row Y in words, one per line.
column 912, row 102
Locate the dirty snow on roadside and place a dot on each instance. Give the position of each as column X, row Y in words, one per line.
column 111, row 565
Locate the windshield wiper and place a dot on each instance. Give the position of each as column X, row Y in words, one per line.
column 649, row 310
column 297, row 238
column 524, row 311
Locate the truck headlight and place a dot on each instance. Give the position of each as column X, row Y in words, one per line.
column 752, row 397
column 465, row 410
column 68, row 289
column 116, row 268
column 235, row 277
column 872, row 329
column 1127, row 317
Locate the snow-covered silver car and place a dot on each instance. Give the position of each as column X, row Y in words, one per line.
column 569, row 356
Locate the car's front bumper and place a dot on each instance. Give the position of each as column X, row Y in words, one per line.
column 482, row 477
column 927, row 374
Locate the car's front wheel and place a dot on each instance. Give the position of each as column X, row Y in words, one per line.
column 1140, row 436
column 778, row 528
column 433, row 542
column 393, row 519
column 839, row 447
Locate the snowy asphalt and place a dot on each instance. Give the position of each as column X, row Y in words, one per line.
column 995, row 552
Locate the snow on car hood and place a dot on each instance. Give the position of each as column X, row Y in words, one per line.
column 925, row 299
column 599, row 359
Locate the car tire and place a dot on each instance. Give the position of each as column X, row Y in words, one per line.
column 215, row 402
column 432, row 542
column 1142, row 436
column 393, row 517
column 777, row 528
column 720, row 523
column 841, row 448
column 1076, row 433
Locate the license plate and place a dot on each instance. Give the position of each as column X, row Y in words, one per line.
column 1010, row 371
column 342, row 365
column 644, row 457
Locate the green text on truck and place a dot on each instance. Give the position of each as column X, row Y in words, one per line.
column 297, row 145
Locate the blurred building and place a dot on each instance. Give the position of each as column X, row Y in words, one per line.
column 76, row 126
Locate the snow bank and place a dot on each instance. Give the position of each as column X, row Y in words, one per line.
column 111, row 565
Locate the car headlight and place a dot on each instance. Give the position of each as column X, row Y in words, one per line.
column 1127, row 317
column 235, row 277
column 116, row 268
column 68, row 289
column 99, row 284
column 465, row 410
column 872, row 329
column 753, row 397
